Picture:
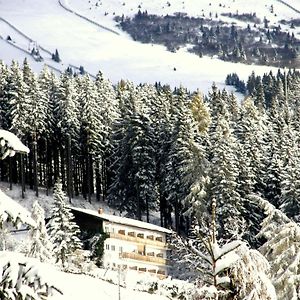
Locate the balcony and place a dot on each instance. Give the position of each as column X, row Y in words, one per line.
column 138, row 240
column 145, row 258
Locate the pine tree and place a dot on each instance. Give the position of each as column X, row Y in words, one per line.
column 109, row 113
column 282, row 251
column 135, row 191
column 121, row 188
column 179, row 156
column 18, row 101
column 40, row 245
column 36, row 121
column 50, row 86
column 68, row 128
column 91, row 125
column 62, row 230
column 21, row 278
column 250, row 132
column 250, row 276
column 290, row 173
column 223, row 175
column 4, row 104
column 160, row 116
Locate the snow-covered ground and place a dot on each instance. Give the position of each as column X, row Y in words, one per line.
column 47, row 201
column 78, row 287
column 105, row 10
column 80, row 42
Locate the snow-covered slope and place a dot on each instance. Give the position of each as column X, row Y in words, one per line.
column 105, row 10
column 81, row 42
column 78, row 287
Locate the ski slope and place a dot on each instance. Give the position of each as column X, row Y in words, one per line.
column 81, row 42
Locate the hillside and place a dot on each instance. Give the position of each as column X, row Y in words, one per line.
column 82, row 43
column 261, row 33
column 77, row 287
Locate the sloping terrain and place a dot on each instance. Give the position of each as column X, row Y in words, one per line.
column 82, row 43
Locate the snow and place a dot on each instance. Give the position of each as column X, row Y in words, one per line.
column 77, row 287
column 12, row 141
column 73, row 286
column 122, row 220
column 225, row 262
column 117, row 56
column 9, row 209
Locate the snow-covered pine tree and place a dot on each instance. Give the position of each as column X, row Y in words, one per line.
column 62, row 230
column 196, row 173
column 281, row 250
column 144, row 166
column 4, row 104
column 49, row 84
column 68, row 128
column 91, row 126
column 182, row 145
column 223, row 175
column 218, row 106
column 273, row 169
column 159, row 106
column 18, row 101
column 121, row 186
column 21, row 278
column 200, row 113
column 108, row 112
column 40, row 244
column 250, row 132
column 133, row 186
column 250, row 276
column 231, row 271
column 289, row 172
column 36, row 121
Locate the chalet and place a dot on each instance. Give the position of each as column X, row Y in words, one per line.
column 131, row 244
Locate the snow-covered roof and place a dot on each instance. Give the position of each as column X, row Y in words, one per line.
column 12, row 142
column 122, row 220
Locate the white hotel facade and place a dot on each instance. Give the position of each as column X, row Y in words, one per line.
column 131, row 244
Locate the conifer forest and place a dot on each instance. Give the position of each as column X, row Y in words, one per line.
column 149, row 148
column 142, row 149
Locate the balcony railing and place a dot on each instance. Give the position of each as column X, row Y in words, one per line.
column 140, row 257
column 138, row 240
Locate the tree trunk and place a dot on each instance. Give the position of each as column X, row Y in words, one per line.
column 69, row 169
column 10, row 173
column 98, row 181
column 35, row 170
column 48, row 168
column 89, row 177
column 22, row 175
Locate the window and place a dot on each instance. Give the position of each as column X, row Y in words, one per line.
column 107, row 246
column 140, row 235
column 161, row 272
column 113, row 247
column 159, row 238
column 120, row 249
column 106, row 229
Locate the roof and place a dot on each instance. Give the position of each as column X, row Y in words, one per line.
column 122, row 220
column 12, row 142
